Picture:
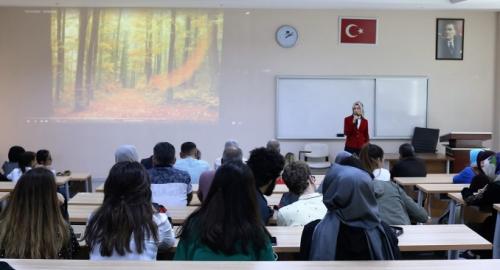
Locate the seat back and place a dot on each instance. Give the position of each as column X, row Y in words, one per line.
column 317, row 150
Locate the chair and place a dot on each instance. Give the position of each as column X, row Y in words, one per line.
column 316, row 155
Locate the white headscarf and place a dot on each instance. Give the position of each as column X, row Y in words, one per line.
column 126, row 153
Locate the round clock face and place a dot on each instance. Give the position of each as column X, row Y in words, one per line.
column 286, row 36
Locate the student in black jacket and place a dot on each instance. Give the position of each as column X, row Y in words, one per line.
column 408, row 165
column 485, row 198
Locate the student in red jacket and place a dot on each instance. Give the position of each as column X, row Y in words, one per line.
column 356, row 129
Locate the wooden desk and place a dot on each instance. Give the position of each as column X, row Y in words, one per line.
column 289, row 265
column 82, row 177
column 435, row 178
column 60, row 181
column 414, row 238
column 435, row 163
column 496, row 238
column 96, row 198
column 79, row 214
column 4, row 195
column 7, row 186
column 437, row 189
column 280, row 188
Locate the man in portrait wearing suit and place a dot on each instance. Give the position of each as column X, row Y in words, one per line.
column 450, row 44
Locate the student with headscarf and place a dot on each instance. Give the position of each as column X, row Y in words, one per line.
column 481, row 179
column 352, row 228
column 126, row 152
column 468, row 173
column 485, row 198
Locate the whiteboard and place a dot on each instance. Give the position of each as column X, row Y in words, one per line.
column 315, row 107
column 401, row 106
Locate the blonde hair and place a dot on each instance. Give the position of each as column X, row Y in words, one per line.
column 32, row 226
column 360, row 104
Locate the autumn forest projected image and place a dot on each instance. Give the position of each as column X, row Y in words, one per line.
column 136, row 64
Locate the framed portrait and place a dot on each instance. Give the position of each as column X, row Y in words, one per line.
column 449, row 39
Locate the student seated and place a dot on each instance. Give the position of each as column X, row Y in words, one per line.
column 395, row 206
column 26, row 162
column 126, row 152
column 227, row 144
column 170, row 186
column 309, row 206
column 231, row 154
column 31, row 226
column 227, row 226
column 189, row 163
column 467, row 174
column 480, row 180
column 44, row 159
column 485, row 198
column 126, row 226
column 408, row 165
column 266, row 166
column 14, row 155
column 352, row 228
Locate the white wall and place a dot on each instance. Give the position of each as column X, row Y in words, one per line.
column 461, row 93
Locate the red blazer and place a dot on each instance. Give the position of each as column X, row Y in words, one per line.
column 355, row 138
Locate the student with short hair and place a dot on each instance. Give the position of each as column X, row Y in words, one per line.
column 352, row 228
column 27, row 161
column 43, row 158
column 395, row 206
column 274, row 145
column 189, row 163
column 309, row 206
column 266, row 166
column 126, row 226
column 14, row 155
column 170, row 186
column 227, row 226
column 408, row 165
column 230, row 154
column 32, row 226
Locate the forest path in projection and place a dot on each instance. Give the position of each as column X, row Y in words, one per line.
column 131, row 104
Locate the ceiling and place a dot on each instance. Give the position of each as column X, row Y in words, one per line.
column 281, row 4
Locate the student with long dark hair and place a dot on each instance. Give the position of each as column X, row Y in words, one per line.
column 227, row 226
column 126, row 227
column 32, row 226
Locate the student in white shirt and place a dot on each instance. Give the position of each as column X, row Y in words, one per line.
column 126, row 226
column 26, row 162
column 189, row 163
column 309, row 206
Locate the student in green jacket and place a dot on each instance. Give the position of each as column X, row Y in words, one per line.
column 227, row 226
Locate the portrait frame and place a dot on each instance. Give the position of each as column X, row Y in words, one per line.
column 450, row 38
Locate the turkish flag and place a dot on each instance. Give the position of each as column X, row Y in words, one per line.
column 358, row 31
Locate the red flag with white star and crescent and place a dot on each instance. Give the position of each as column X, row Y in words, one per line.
column 358, row 31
